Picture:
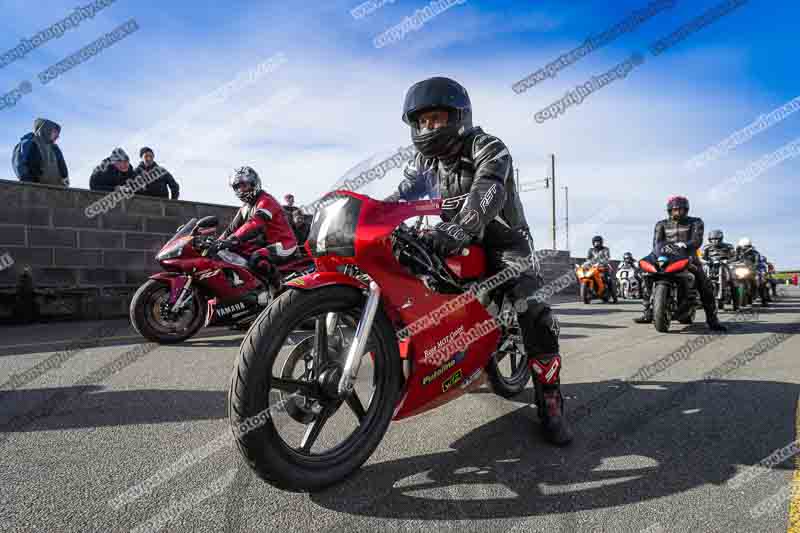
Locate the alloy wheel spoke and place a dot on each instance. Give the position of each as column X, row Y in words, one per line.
column 354, row 402
column 314, row 429
column 291, row 385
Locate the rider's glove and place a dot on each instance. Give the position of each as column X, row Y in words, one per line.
column 681, row 245
column 449, row 238
column 224, row 244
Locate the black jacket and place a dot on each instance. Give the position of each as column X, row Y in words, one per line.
column 689, row 230
column 750, row 255
column 106, row 177
column 163, row 186
column 301, row 232
column 477, row 188
column 718, row 251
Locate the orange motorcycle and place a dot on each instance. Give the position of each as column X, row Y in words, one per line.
column 591, row 277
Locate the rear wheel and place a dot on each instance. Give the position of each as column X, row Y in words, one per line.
column 661, row 312
column 153, row 319
column 301, row 435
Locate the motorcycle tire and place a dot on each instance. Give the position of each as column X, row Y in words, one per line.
column 264, row 450
column 740, row 298
column 144, row 323
column 586, row 294
column 721, row 304
column 661, row 312
column 508, row 387
column 764, row 294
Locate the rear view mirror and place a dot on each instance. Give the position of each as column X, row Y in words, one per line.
column 208, row 222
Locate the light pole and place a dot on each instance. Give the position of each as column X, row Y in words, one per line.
column 566, row 219
column 553, row 184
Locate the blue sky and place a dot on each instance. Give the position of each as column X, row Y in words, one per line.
column 337, row 100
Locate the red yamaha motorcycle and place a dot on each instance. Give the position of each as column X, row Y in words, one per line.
column 202, row 286
column 308, row 408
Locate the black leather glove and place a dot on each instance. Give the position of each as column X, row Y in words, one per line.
column 449, row 239
column 223, row 244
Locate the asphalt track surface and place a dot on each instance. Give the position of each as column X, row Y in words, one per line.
column 660, row 435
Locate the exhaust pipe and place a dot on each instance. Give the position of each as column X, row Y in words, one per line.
column 356, row 352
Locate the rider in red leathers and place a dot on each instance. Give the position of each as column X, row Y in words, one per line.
column 259, row 230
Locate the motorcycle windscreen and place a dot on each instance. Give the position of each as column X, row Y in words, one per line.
column 333, row 230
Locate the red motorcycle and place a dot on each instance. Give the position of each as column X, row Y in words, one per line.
column 202, row 286
column 374, row 277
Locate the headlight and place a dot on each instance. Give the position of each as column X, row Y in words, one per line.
column 742, row 272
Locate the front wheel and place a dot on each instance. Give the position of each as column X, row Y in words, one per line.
column 740, row 297
column 661, row 311
column 508, row 369
column 153, row 319
column 322, row 438
column 586, row 293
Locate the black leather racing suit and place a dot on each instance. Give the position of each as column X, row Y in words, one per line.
column 603, row 255
column 479, row 193
column 722, row 250
column 688, row 230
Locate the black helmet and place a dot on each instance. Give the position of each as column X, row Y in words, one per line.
column 597, row 241
column 716, row 236
column 627, row 257
column 679, row 202
column 245, row 175
column 438, row 93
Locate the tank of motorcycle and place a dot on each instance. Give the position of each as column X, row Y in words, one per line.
column 356, row 229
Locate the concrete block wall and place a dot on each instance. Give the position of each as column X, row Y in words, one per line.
column 71, row 265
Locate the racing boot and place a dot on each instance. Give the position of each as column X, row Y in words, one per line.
column 549, row 401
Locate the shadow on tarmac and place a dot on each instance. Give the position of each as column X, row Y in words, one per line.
column 507, row 470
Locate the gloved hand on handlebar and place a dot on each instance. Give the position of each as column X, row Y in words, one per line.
column 223, row 244
column 681, row 245
column 449, row 238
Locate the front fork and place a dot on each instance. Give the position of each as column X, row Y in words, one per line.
column 184, row 297
column 356, row 352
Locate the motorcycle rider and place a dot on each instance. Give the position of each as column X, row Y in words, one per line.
column 717, row 248
column 771, row 275
column 629, row 261
column 472, row 172
column 259, row 229
column 602, row 254
column 746, row 252
column 684, row 232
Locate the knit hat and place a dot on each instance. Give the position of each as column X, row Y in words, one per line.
column 119, row 155
column 146, row 149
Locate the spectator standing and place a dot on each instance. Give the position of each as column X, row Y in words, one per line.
column 289, row 207
column 794, row 280
column 112, row 172
column 301, row 227
column 38, row 159
column 162, row 187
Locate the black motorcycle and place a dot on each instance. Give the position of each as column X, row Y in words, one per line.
column 674, row 294
column 720, row 277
